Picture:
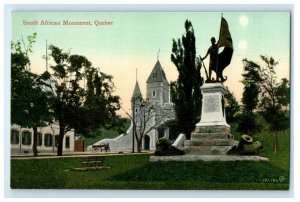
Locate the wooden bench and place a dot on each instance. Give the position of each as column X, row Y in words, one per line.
column 101, row 147
column 93, row 162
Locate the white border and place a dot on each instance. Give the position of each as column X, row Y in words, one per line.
column 4, row 72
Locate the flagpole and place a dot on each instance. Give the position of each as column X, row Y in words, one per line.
column 218, row 47
column 204, row 68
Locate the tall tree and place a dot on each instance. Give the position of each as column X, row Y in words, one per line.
column 250, row 99
column 75, row 107
column 29, row 99
column 274, row 96
column 185, row 92
column 68, row 95
column 232, row 107
column 100, row 104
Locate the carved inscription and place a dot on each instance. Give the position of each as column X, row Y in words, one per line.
column 211, row 103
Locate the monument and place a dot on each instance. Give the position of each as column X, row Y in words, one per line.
column 212, row 134
column 212, row 139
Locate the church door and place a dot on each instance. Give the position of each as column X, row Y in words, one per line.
column 146, row 142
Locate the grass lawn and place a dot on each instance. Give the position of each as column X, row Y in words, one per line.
column 136, row 172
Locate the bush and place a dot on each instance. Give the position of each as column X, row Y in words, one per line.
column 164, row 148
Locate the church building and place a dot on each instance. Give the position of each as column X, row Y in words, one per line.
column 158, row 97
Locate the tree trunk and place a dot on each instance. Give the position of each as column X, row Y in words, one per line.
column 34, row 145
column 139, row 146
column 276, row 142
column 60, row 140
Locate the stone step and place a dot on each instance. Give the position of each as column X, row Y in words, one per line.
column 210, row 142
column 212, row 129
column 192, row 157
column 207, row 150
column 200, row 136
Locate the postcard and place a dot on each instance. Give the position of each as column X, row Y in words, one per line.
column 150, row 100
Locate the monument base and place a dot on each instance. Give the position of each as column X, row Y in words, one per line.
column 212, row 135
column 207, row 158
column 210, row 140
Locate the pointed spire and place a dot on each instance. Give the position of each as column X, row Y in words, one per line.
column 136, row 92
column 157, row 74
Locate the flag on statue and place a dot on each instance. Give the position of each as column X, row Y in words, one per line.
column 225, row 36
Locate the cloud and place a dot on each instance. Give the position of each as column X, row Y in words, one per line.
column 244, row 20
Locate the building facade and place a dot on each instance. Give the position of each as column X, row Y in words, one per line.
column 21, row 140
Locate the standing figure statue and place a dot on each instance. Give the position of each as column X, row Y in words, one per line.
column 213, row 54
column 219, row 61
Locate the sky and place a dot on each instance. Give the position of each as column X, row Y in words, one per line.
column 135, row 40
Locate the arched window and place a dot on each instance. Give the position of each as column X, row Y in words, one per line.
column 153, row 93
column 14, row 137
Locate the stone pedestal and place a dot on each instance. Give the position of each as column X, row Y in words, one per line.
column 212, row 135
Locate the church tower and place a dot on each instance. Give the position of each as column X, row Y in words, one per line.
column 158, row 86
column 135, row 98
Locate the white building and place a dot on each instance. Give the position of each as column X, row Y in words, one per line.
column 21, row 140
column 158, row 95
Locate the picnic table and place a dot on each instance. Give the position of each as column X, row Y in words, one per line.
column 93, row 162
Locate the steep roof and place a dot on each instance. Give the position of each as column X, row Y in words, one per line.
column 157, row 74
column 136, row 91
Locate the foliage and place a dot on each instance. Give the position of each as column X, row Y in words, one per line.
column 68, row 95
column 262, row 92
column 29, row 99
column 75, row 107
column 274, row 96
column 283, row 93
column 232, row 107
column 185, row 92
column 250, row 99
column 100, row 104
column 251, row 81
column 102, row 133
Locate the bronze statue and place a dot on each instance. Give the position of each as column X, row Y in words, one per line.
column 219, row 61
column 213, row 54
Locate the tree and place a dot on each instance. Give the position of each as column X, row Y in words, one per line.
column 147, row 117
column 29, row 100
column 274, row 96
column 251, row 81
column 75, row 107
column 100, row 104
column 68, row 95
column 283, row 94
column 185, row 92
column 232, row 107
